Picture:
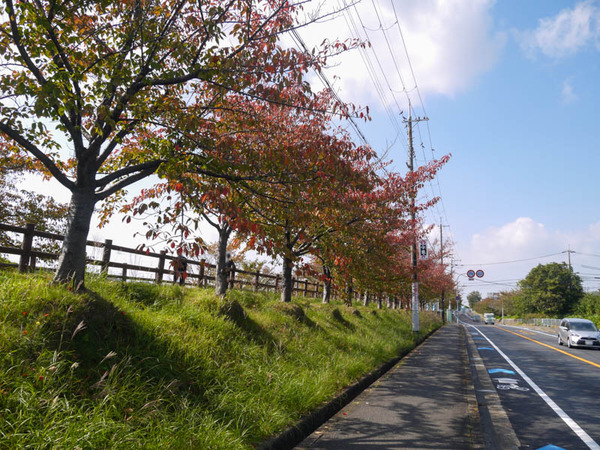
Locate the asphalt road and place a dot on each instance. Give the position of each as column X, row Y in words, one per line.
column 551, row 394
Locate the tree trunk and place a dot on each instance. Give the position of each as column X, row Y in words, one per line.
column 326, row 284
column 366, row 298
column 221, row 272
column 286, row 288
column 72, row 260
column 349, row 294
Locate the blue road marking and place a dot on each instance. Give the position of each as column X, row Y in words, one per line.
column 485, row 348
column 550, row 447
column 501, row 371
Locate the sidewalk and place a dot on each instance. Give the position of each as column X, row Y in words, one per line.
column 425, row 402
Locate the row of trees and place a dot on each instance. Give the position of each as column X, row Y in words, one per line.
column 100, row 95
column 548, row 290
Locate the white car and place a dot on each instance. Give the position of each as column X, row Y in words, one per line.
column 488, row 318
column 578, row 333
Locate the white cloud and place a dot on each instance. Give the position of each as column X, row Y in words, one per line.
column 520, row 239
column 507, row 254
column 450, row 43
column 568, row 94
column 565, row 34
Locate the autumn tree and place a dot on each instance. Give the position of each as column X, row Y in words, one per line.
column 373, row 253
column 275, row 151
column 79, row 79
column 324, row 170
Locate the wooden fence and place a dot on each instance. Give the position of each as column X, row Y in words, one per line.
column 160, row 267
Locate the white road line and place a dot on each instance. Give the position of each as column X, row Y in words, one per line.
column 563, row 415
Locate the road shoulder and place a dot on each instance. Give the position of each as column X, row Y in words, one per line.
column 496, row 428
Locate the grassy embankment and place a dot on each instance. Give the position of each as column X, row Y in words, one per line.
column 145, row 366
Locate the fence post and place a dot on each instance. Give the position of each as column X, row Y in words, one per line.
column 161, row 267
column 124, row 273
column 277, row 282
column 201, row 273
column 256, row 280
column 306, row 287
column 106, row 255
column 231, row 277
column 26, row 247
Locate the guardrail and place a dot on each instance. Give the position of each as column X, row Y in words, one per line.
column 551, row 323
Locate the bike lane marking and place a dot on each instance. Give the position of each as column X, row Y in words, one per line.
column 552, row 347
column 586, row 438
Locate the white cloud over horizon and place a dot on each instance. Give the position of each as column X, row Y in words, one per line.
column 508, row 252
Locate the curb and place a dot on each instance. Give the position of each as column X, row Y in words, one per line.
column 472, row 405
column 306, row 426
column 498, row 433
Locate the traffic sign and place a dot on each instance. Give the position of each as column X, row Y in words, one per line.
column 479, row 273
column 423, row 249
column 471, row 273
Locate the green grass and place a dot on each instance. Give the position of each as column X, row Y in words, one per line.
column 145, row 366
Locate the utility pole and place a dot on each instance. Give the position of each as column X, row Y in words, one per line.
column 442, row 263
column 568, row 252
column 413, row 215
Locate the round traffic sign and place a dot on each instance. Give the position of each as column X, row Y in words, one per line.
column 479, row 273
column 470, row 273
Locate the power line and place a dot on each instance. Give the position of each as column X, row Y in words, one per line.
column 327, row 84
column 510, row 262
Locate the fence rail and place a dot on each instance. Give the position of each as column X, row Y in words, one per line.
column 539, row 322
column 199, row 273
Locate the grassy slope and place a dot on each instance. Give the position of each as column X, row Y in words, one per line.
column 144, row 366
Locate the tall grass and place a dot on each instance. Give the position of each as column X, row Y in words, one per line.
column 146, row 366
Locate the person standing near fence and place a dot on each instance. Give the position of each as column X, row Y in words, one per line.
column 229, row 269
column 179, row 269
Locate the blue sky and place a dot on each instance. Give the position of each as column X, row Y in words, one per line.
column 511, row 91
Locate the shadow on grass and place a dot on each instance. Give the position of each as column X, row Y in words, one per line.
column 233, row 311
column 149, row 358
column 339, row 318
column 296, row 312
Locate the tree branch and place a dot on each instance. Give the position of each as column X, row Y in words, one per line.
column 126, row 182
column 44, row 159
column 152, row 166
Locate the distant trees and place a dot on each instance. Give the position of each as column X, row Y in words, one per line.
column 473, row 298
column 20, row 207
column 589, row 307
column 550, row 289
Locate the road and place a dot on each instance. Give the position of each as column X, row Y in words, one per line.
column 550, row 393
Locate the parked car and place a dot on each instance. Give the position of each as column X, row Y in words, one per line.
column 578, row 333
column 488, row 318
